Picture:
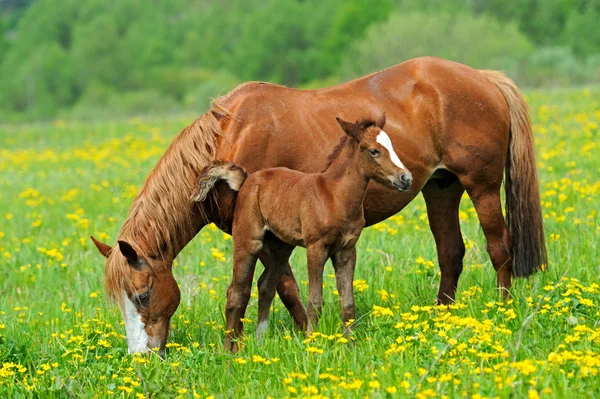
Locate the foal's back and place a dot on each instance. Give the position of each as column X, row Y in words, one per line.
column 283, row 201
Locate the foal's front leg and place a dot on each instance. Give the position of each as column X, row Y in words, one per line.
column 344, row 263
column 316, row 257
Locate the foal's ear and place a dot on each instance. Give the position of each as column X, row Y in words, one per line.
column 350, row 128
column 103, row 248
column 129, row 253
column 380, row 123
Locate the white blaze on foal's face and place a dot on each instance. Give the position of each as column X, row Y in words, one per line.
column 385, row 141
column 137, row 339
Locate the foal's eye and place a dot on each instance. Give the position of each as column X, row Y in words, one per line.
column 374, row 152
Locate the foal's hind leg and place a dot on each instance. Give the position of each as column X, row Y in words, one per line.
column 486, row 199
column 289, row 293
column 442, row 198
column 316, row 256
column 278, row 254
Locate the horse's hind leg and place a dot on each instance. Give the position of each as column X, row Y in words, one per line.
column 278, row 254
column 486, row 199
column 442, row 197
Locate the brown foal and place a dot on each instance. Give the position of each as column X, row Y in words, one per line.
column 278, row 209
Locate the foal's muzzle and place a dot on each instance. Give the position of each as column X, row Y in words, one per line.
column 403, row 181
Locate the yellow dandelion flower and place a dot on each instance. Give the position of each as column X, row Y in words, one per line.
column 312, row 349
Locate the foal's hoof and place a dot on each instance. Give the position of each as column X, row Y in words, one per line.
column 261, row 331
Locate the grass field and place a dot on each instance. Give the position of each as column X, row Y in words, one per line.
column 60, row 337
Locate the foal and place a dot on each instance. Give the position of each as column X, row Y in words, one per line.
column 278, row 209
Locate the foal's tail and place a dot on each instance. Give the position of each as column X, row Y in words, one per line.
column 523, row 207
column 219, row 170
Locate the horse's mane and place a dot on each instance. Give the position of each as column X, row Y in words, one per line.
column 337, row 150
column 160, row 215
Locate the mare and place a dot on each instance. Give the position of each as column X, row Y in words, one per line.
column 278, row 209
column 461, row 129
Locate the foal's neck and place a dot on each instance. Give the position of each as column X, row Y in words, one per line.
column 347, row 178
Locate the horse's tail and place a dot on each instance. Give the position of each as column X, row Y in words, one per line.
column 523, row 207
column 219, row 170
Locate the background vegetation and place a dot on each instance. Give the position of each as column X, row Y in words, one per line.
column 96, row 58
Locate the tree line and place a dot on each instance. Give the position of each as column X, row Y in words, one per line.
column 89, row 57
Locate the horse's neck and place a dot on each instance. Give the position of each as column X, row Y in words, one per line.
column 198, row 222
column 347, row 180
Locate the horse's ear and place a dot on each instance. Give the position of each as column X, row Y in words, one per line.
column 129, row 253
column 103, row 248
column 380, row 123
column 217, row 115
column 350, row 128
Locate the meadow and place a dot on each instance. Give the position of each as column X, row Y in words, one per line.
column 61, row 182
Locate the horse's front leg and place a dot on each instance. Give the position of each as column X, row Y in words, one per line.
column 344, row 263
column 316, row 256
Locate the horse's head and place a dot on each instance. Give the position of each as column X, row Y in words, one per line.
column 377, row 154
column 144, row 288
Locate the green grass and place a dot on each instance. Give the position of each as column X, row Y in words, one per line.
column 60, row 337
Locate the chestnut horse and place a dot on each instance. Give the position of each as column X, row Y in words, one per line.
column 460, row 129
column 278, row 209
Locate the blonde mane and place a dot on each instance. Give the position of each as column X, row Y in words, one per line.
column 160, row 215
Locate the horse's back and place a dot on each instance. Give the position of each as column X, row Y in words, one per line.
column 440, row 114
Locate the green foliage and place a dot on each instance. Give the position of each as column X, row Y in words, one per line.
column 479, row 41
column 558, row 66
column 582, row 31
column 550, row 23
column 217, row 84
column 55, row 56
column 350, row 22
column 126, row 46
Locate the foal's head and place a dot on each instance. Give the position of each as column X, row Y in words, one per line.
column 377, row 155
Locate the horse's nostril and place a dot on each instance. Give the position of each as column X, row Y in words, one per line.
column 403, row 179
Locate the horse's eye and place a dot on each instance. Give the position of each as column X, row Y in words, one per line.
column 143, row 297
column 374, row 152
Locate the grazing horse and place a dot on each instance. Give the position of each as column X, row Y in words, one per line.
column 278, row 209
column 460, row 129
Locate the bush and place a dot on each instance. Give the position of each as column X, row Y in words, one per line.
column 99, row 102
column 217, row 84
column 478, row 41
column 582, row 32
column 555, row 66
